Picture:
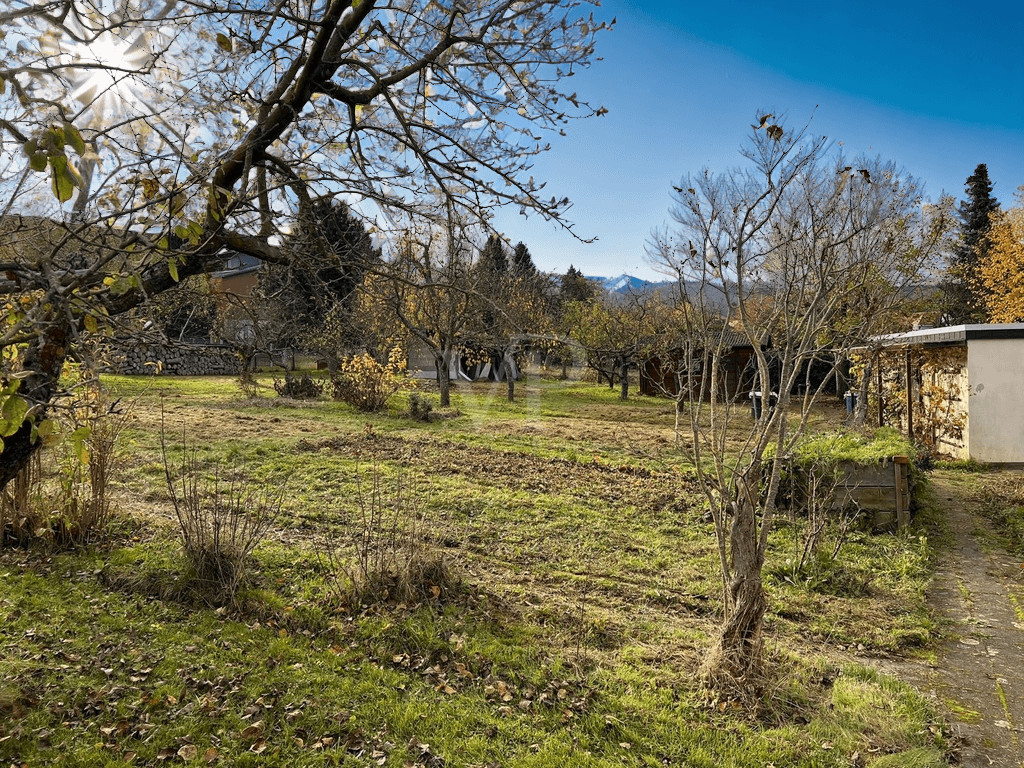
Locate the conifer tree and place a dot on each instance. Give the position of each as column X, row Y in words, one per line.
column 964, row 295
column 494, row 257
column 315, row 291
column 522, row 261
column 573, row 286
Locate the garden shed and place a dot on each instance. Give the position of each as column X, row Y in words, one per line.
column 663, row 375
column 959, row 389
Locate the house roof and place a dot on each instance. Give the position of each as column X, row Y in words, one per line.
column 735, row 340
column 954, row 334
column 238, row 264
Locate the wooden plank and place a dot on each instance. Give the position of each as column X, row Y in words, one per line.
column 881, row 399
column 910, row 396
column 860, row 474
column 902, row 495
column 869, row 497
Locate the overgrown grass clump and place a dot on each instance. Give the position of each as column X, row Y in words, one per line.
column 853, row 446
column 1002, row 502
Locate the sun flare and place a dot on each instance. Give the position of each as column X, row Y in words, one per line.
column 104, row 71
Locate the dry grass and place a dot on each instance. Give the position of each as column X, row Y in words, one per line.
column 393, row 554
column 566, row 500
column 588, row 594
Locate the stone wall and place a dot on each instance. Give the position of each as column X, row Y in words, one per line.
column 176, row 359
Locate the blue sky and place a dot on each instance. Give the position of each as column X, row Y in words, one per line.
column 937, row 87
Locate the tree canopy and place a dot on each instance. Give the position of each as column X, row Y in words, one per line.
column 165, row 134
column 1001, row 271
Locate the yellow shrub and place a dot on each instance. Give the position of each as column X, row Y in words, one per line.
column 367, row 384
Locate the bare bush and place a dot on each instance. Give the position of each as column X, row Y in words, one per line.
column 824, row 520
column 247, row 381
column 303, row 387
column 222, row 516
column 62, row 496
column 389, row 553
column 421, row 408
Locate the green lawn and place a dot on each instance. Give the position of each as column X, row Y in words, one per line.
column 585, row 591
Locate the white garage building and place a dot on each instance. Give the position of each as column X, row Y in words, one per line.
column 983, row 366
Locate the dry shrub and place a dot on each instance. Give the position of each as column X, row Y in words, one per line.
column 62, row 496
column 825, row 526
column 389, row 552
column 304, row 387
column 421, row 408
column 247, row 381
column 222, row 516
column 22, row 513
column 366, row 384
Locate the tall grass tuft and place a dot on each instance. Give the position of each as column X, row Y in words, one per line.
column 22, row 514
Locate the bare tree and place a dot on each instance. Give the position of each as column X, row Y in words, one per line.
column 166, row 133
column 430, row 287
column 778, row 253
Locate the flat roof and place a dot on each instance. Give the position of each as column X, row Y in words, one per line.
column 953, row 334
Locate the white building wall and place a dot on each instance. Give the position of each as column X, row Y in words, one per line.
column 995, row 372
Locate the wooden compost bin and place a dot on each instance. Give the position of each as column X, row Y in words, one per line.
column 882, row 489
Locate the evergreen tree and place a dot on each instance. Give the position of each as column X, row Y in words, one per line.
column 494, row 257
column 332, row 252
column 963, row 290
column 575, row 287
column 522, row 261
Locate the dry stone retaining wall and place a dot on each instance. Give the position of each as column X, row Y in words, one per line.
column 176, row 359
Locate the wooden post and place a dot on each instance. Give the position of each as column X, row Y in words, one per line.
column 910, row 396
column 901, row 469
column 881, row 405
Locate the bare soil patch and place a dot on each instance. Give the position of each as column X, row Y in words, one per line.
column 516, row 471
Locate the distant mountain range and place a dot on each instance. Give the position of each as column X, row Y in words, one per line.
column 627, row 284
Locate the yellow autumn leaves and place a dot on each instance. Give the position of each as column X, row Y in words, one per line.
column 1001, row 272
column 367, row 384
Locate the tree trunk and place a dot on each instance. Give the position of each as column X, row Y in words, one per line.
column 842, row 385
column 860, row 413
column 444, row 383
column 625, row 381
column 510, row 379
column 735, row 660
